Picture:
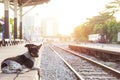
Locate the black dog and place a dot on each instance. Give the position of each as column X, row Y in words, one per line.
column 21, row 63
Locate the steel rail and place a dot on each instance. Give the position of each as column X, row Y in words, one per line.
column 104, row 66
column 75, row 72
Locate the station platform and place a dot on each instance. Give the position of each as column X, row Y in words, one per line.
column 11, row 51
column 107, row 47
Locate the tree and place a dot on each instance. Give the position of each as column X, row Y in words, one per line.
column 12, row 23
column 104, row 24
column 114, row 26
column 76, row 33
column 113, row 6
column 112, row 31
column 100, row 25
column 82, row 31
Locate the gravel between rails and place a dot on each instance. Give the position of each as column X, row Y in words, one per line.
column 114, row 65
column 85, row 68
column 53, row 68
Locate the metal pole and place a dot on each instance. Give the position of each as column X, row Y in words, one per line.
column 6, row 19
column 20, row 22
column 15, row 18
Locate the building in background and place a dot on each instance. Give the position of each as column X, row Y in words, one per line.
column 36, row 28
column 31, row 28
column 49, row 27
column 118, row 37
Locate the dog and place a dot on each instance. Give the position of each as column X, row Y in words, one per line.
column 21, row 63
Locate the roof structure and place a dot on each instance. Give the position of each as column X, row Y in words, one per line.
column 28, row 2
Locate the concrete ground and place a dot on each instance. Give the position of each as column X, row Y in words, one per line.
column 10, row 51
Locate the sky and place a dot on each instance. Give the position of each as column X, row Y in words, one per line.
column 69, row 13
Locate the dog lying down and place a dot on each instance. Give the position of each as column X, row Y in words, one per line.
column 21, row 63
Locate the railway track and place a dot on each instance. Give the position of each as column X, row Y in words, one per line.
column 112, row 64
column 85, row 68
column 53, row 68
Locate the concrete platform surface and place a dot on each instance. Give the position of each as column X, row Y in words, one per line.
column 10, row 51
column 107, row 47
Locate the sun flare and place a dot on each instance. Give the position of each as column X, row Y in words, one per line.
column 69, row 13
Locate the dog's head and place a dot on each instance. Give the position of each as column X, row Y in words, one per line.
column 33, row 49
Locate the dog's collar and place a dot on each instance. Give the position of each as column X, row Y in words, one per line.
column 28, row 55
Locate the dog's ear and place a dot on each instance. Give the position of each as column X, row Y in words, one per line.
column 26, row 45
column 39, row 46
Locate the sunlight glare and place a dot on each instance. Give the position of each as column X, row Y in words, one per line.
column 70, row 13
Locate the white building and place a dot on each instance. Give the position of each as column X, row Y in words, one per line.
column 118, row 37
column 49, row 27
column 31, row 28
